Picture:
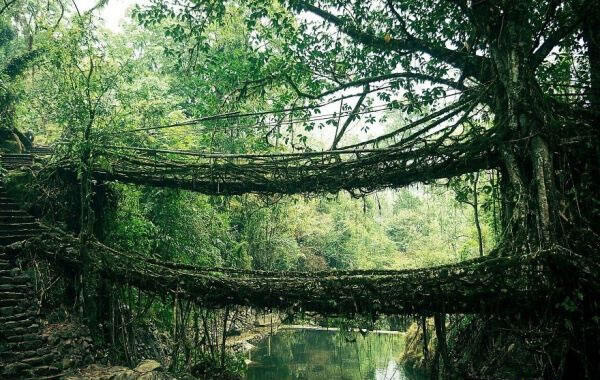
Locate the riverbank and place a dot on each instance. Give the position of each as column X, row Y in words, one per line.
column 320, row 328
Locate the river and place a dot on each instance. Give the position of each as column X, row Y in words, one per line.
column 315, row 355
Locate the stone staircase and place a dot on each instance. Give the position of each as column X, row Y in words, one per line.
column 24, row 352
column 16, row 160
column 41, row 150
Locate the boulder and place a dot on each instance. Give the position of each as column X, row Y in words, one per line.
column 147, row 365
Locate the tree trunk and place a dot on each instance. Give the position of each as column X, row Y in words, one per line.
column 425, row 348
column 441, row 361
column 476, row 215
column 591, row 37
column 88, row 278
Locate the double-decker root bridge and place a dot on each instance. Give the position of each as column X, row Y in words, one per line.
column 501, row 283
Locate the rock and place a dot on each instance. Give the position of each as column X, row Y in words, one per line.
column 147, row 365
column 186, row 376
column 67, row 363
column 245, row 346
column 146, row 370
column 234, row 332
column 151, row 376
column 123, row 374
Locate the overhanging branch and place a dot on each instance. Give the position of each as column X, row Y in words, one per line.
column 379, row 78
column 471, row 65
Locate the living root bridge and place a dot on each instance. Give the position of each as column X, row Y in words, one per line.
column 499, row 285
column 293, row 173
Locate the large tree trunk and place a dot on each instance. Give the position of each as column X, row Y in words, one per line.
column 591, row 36
column 550, row 189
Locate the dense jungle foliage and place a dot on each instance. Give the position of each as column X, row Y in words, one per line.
column 504, row 93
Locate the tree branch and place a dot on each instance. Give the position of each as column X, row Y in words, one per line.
column 564, row 30
column 6, row 5
column 449, row 112
column 379, row 78
column 350, row 118
column 471, row 65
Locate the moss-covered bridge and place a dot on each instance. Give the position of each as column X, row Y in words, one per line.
column 498, row 283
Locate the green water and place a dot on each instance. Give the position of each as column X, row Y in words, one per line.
column 316, row 355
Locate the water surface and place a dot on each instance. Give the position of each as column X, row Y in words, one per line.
column 312, row 355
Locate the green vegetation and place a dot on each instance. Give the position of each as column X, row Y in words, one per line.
column 486, row 112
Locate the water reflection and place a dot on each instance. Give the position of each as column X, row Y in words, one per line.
column 310, row 355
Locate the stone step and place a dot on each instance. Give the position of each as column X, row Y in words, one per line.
column 16, row 164
column 17, row 280
column 13, row 370
column 10, row 161
column 19, row 306
column 24, row 326
column 23, row 354
column 10, row 302
column 33, row 328
column 24, row 323
column 11, row 212
column 6, row 311
column 8, row 234
column 46, row 370
column 40, row 149
column 24, row 338
column 11, row 295
column 58, row 375
column 30, row 315
column 6, row 228
column 9, row 239
column 14, row 271
column 28, row 345
column 18, row 221
column 18, row 231
column 17, row 218
column 18, row 288
column 39, row 360
column 7, row 154
column 16, row 226
column 17, row 160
